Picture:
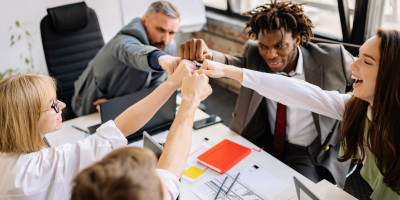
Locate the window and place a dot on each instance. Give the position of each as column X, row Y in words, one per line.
column 385, row 15
column 391, row 14
column 324, row 14
column 217, row 4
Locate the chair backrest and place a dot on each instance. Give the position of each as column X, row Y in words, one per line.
column 71, row 37
column 352, row 48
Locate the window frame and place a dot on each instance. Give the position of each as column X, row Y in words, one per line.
column 355, row 35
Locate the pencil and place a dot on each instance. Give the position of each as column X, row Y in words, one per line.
column 219, row 190
column 232, row 184
column 87, row 132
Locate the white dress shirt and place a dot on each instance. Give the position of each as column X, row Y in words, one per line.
column 300, row 127
column 47, row 174
column 296, row 93
column 171, row 182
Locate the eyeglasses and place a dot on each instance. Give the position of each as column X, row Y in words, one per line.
column 54, row 106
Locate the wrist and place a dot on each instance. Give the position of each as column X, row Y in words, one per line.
column 233, row 72
column 190, row 101
column 172, row 83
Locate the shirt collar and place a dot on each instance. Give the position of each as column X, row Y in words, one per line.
column 299, row 66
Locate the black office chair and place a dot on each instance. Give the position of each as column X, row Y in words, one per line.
column 71, row 37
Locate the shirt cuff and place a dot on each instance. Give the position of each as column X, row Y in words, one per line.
column 171, row 182
column 246, row 82
column 152, row 60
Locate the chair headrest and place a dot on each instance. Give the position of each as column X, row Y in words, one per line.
column 69, row 18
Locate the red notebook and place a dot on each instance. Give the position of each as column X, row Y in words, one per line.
column 223, row 156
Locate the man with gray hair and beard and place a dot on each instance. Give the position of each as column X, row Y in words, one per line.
column 134, row 59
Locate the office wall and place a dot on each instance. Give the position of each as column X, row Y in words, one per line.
column 29, row 13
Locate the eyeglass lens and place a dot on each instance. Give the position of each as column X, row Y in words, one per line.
column 55, row 106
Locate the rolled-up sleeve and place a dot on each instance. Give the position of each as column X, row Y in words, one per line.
column 93, row 148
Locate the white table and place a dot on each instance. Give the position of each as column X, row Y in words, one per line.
column 215, row 133
column 67, row 134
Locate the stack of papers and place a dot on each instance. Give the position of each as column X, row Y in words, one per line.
column 253, row 183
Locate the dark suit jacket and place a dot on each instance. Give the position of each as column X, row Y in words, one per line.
column 119, row 68
column 325, row 65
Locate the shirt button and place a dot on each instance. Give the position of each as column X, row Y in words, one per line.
column 327, row 148
column 233, row 114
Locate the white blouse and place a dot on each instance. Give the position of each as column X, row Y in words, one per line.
column 47, row 174
column 296, row 93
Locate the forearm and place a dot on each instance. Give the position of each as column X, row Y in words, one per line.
column 235, row 60
column 140, row 113
column 234, row 73
column 179, row 140
column 132, row 53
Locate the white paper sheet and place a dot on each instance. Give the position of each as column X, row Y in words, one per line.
column 252, row 184
column 263, row 182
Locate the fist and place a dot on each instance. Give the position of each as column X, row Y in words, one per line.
column 195, row 49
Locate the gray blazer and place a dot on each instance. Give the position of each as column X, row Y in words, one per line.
column 325, row 65
column 119, row 68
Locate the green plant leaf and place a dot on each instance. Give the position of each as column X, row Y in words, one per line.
column 7, row 72
column 17, row 23
column 19, row 37
column 27, row 33
column 12, row 43
column 12, row 37
column 27, row 61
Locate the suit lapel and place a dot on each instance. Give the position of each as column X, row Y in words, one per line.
column 255, row 102
column 257, row 64
column 313, row 75
column 312, row 71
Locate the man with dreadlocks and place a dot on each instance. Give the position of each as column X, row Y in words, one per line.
column 307, row 142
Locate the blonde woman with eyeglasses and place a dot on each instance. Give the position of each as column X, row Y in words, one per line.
column 29, row 109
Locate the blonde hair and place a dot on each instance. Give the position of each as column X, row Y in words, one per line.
column 22, row 102
column 125, row 173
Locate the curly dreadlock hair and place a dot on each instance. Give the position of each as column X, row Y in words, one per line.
column 277, row 16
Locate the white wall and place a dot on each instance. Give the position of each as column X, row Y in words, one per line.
column 29, row 13
column 193, row 12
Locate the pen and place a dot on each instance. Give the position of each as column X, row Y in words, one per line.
column 232, row 184
column 87, row 132
column 219, row 190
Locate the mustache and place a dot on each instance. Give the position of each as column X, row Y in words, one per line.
column 158, row 43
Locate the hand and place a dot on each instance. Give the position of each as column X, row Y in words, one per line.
column 195, row 88
column 195, row 49
column 169, row 63
column 98, row 102
column 184, row 69
column 213, row 69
